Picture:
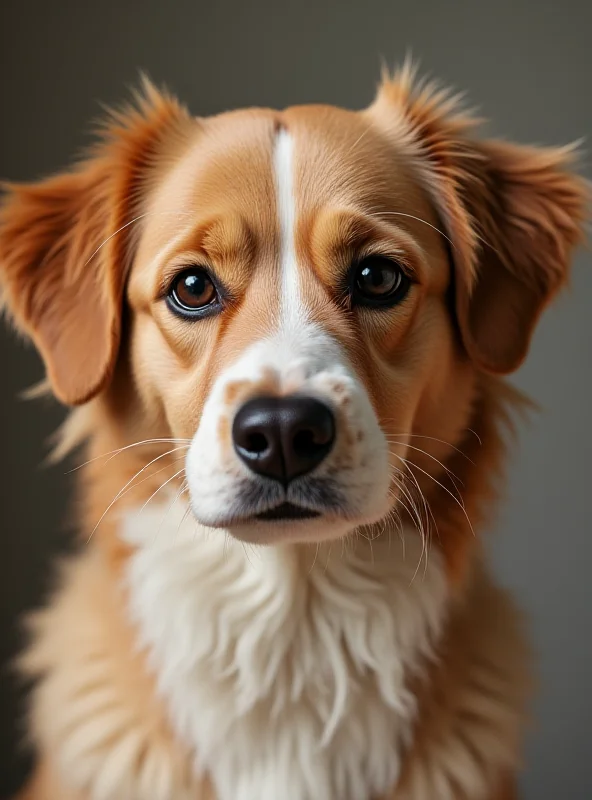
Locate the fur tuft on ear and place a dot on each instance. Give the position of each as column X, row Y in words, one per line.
column 64, row 246
column 513, row 213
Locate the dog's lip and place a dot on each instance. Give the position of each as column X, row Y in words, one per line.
column 279, row 513
column 287, row 511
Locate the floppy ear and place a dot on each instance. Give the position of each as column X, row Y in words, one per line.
column 528, row 211
column 513, row 214
column 65, row 248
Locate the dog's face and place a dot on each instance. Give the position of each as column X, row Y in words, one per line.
column 290, row 312
column 304, row 293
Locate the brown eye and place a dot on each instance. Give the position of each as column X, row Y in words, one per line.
column 192, row 291
column 379, row 281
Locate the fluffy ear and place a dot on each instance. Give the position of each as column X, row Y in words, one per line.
column 513, row 213
column 528, row 211
column 64, row 248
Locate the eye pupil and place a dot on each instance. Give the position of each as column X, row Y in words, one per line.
column 194, row 284
column 379, row 281
column 192, row 290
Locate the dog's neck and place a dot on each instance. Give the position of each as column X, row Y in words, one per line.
column 281, row 664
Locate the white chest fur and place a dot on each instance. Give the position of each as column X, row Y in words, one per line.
column 284, row 668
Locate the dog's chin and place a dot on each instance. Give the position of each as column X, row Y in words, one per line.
column 285, row 530
column 289, row 524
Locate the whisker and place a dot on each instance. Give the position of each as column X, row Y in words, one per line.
column 122, row 491
column 425, row 532
column 441, row 485
column 113, row 453
column 369, row 539
column 412, row 216
column 183, row 518
column 433, row 438
column 407, row 494
column 427, row 508
column 419, row 219
column 247, row 554
column 394, row 513
column 451, row 474
column 315, row 558
column 394, row 517
column 168, row 511
column 132, row 222
column 152, row 475
column 108, row 239
column 162, row 485
column 425, row 537
column 359, row 139
column 413, row 510
column 328, row 557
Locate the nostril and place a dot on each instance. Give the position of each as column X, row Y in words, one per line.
column 304, row 443
column 256, row 436
column 308, row 442
column 256, row 443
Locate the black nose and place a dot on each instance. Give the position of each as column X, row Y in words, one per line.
column 283, row 437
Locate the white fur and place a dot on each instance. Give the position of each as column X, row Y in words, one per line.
column 293, row 314
column 284, row 668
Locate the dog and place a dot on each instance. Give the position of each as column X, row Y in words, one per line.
column 284, row 336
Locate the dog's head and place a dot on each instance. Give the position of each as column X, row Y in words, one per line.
column 298, row 293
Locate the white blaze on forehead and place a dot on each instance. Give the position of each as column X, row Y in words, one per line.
column 292, row 311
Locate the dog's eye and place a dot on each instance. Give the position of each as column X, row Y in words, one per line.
column 192, row 290
column 379, row 281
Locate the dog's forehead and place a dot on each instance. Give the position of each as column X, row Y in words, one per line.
column 226, row 168
column 339, row 158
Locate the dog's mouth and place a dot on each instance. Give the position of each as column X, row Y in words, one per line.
column 287, row 511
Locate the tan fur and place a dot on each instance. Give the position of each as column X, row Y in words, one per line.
column 486, row 230
column 63, row 263
column 99, row 682
column 472, row 701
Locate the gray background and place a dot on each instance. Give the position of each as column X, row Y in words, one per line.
column 528, row 65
